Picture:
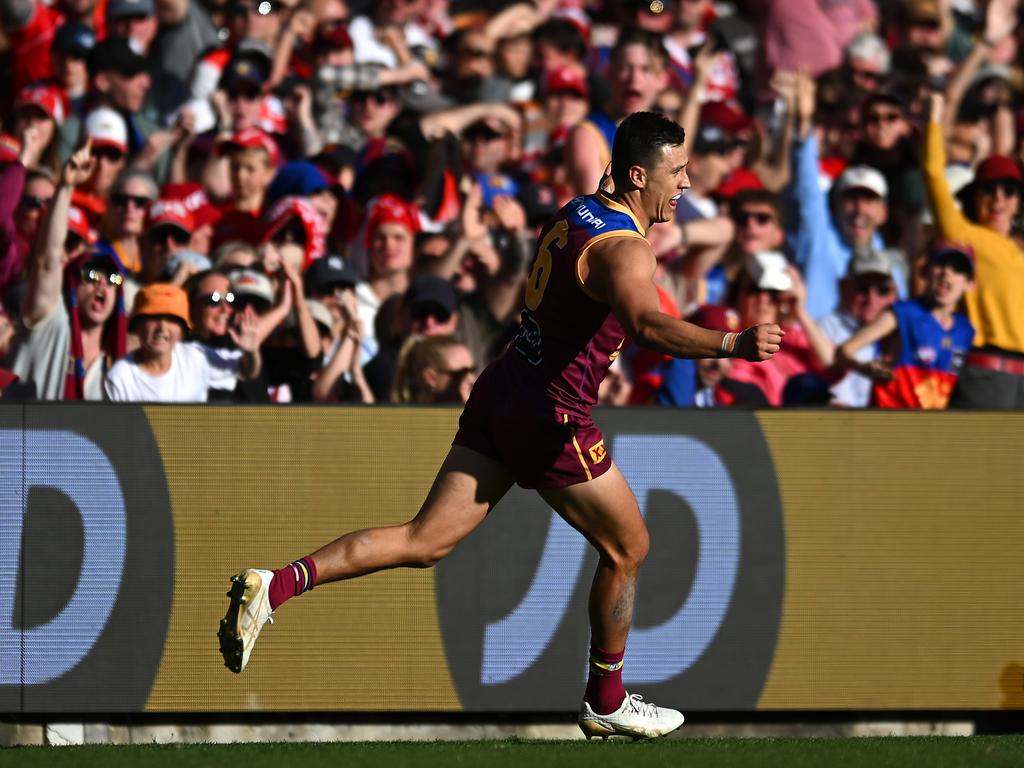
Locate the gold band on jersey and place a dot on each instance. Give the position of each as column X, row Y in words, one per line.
column 583, row 255
column 617, row 206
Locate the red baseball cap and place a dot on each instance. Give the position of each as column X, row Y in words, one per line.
column 78, row 224
column 566, row 80
column 194, row 198
column 739, row 180
column 250, row 138
column 171, row 213
column 48, row 99
column 998, row 168
column 391, row 209
column 729, row 119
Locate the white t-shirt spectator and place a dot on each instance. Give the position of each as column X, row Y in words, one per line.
column 186, row 381
column 225, row 364
column 368, row 305
column 854, row 389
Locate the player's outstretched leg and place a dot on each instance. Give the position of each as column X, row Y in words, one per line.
column 467, row 486
column 605, row 511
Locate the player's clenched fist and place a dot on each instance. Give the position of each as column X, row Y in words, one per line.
column 758, row 342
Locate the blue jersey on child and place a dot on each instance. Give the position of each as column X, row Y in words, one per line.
column 929, row 361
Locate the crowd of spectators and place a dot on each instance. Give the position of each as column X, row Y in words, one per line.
column 338, row 200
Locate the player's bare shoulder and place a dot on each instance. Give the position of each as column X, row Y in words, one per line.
column 616, row 259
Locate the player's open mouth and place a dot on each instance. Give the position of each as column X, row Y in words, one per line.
column 674, row 200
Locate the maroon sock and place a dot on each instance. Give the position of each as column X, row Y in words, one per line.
column 292, row 580
column 604, row 685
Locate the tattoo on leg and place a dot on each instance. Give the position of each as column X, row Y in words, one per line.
column 622, row 611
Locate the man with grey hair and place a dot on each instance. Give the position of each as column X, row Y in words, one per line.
column 827, row 235
column 864, row 293
column 868, row 61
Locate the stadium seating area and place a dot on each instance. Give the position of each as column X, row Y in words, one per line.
column 338, row 200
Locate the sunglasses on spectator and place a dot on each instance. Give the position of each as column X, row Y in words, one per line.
column 160, row 235
column 459, row 373
column 877, row 118
column 110, row 154
column 377, row 97
column 866, row 74
column 1008, row 188
column 123, row 200
column 34, row 202
column 93, row 275
column 258, row 304
column 880, row 288
column 474, row 53
column 859, row 193
column 761, row 217
column 423, row 312
column 217, row 298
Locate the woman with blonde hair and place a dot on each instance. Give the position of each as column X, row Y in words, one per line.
column 433, row 369
column 124, row 222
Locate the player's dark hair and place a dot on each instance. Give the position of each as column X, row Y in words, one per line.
column 639, row 141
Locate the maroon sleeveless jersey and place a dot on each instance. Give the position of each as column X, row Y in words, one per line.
column 567, row 338
column 530, row 408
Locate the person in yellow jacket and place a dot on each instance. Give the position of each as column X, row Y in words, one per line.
column 993, row 374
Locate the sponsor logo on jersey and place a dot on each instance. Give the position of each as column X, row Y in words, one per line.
column 588, row 217
column 598, row 453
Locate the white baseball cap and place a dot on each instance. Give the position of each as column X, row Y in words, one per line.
column 863, row 177
column 870, row 47
column 107, row 129
column 770, row 271
column 249, row 282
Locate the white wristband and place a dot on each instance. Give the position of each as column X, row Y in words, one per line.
column 726, row 343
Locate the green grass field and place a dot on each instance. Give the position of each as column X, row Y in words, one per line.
column 933, row 752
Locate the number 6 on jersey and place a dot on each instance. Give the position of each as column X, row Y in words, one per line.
column 541, row 272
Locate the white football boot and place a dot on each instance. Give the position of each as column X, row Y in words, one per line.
column 248, row 611
column 636, row 718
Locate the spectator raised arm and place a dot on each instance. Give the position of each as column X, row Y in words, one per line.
column 1000, row 22
column 47, row 260
column 990, row 205
column 436, row 124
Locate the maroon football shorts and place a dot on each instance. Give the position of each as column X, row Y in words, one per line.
column 542, row 444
